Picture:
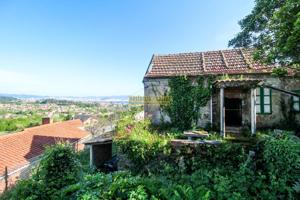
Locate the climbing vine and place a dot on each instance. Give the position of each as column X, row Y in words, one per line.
column 185, row 100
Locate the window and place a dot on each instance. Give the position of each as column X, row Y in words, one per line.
column 296, row 102
column 263, row 101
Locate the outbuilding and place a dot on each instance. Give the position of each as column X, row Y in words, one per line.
column 245, row 94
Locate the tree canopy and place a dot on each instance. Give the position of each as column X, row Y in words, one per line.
column 273, row 28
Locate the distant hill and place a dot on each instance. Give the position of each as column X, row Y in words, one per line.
column 4, row 99
column 113, row 99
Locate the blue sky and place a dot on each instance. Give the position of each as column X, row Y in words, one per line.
column 93, row 48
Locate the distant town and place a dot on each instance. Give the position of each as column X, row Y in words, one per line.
column 18, row 112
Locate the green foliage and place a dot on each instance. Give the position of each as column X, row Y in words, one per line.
column 296, row 186
column 185, row 100
column 16, row 124
column 58, row 168
column 273, row 27
column 281, row 155
column 279, row 161
column 190, row 159
column 83, row 157
column 279, row 72
column 123, row 185
column 142, row 146
column 126, row 121
column 224, row 171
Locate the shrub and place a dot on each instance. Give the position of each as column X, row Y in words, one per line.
column 281, row 155
column 221, row 171
column 59, row 166
column 278, row 160
column 193, row 158
column 141, row 146
column 57, row 169
column 26, row 189
column 279, row 72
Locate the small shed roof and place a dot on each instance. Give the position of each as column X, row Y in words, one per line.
column 98, row 140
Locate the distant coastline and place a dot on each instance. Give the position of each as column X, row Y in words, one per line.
column 29, row 97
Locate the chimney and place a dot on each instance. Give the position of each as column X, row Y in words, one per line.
column 45, row 120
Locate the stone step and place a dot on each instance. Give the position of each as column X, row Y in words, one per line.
column 232, row 129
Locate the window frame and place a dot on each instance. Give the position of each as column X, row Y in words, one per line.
column 293, row 102
column 260, row 93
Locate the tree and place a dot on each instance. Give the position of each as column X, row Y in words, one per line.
column 273, row 28
column 97, row 127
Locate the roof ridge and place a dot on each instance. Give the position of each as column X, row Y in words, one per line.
column 224, row 59
column 246, row 59
column 192, row 52
column 203, row 61
column 52, row 124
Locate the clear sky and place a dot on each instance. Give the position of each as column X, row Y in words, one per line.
column 103, row 47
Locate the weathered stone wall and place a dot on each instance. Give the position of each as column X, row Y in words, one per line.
column 159, row 86
column 274, row 119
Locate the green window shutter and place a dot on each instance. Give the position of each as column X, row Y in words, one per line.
column 264, row 101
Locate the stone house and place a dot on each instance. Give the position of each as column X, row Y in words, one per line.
column 245, row 94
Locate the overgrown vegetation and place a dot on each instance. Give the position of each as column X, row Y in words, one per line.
column 58, row 168
column 186, row 99
column 279, row 72
column 154, row 169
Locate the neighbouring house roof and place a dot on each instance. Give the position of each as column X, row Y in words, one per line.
column 19, row 149
column 231, row 61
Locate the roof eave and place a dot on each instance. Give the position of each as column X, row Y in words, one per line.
column 204, row 74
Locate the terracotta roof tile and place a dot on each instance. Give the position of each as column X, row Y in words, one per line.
column 18, row 149
column 231, row 61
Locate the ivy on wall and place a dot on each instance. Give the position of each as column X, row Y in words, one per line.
column 185, row 100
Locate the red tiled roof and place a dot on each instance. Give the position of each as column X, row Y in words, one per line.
column 17, row 149
column 231, row 61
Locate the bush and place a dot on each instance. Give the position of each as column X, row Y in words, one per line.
column 58, row 168
column 279, row 72
column 280, row 162
column 123, row 185
column 223, row 171
column 281, row 155
column 192, row 158
column 141, row 146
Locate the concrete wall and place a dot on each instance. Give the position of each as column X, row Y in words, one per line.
column 159, row 86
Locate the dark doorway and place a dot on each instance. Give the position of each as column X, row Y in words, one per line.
column 233, row 112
